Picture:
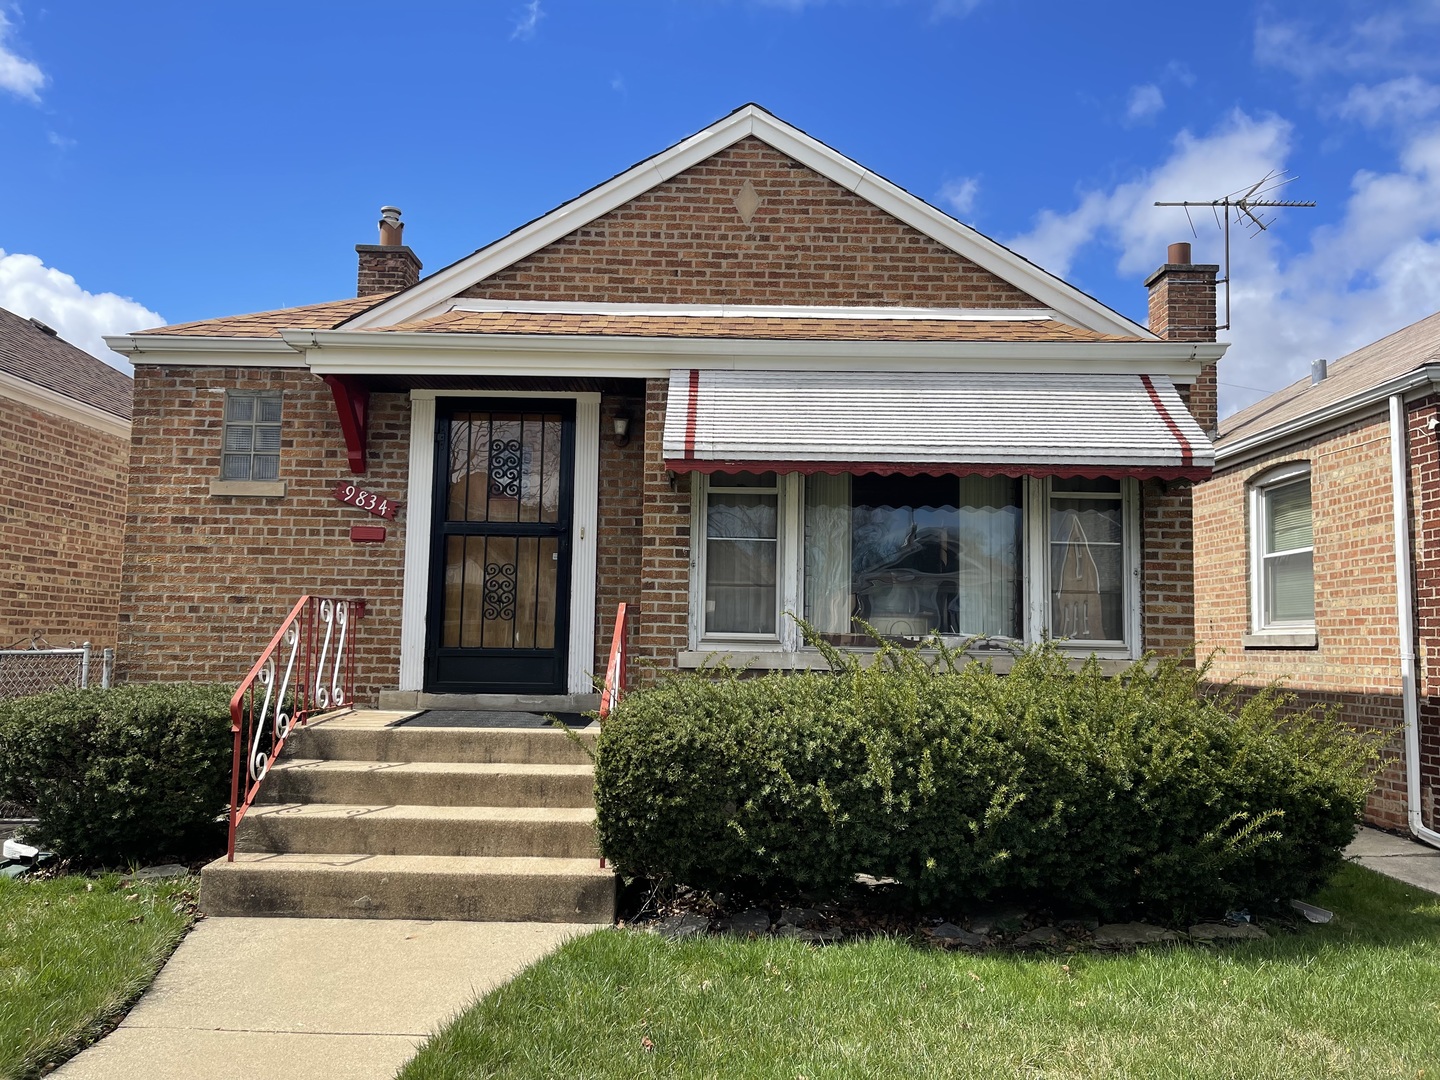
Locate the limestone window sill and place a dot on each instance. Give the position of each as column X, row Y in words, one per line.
column 1298, row 639
column 810, row 659
column 253, row 489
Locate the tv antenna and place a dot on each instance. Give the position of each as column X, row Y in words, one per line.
column 1245, row 202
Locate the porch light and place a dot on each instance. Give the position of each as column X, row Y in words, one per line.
column 621, row 423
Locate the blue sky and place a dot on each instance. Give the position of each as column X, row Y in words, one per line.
column 169, row 161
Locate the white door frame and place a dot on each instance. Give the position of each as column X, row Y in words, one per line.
column 414, row 601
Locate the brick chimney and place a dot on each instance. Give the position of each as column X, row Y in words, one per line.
column 389, row 265
column 1182, row 308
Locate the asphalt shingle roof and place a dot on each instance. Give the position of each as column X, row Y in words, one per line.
column 34, row 354
column 1366, row 367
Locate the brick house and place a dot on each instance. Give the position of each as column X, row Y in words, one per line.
column 1320, row 492
column 64, row 449
column 745, row 377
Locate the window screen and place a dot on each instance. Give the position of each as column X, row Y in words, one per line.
column 252, row 436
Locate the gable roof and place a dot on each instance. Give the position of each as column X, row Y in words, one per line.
column 32, row 352
column 1350, row 380
column 426, row 297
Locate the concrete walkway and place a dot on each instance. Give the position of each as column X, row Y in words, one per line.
column 291, row 999
column 1400, row 858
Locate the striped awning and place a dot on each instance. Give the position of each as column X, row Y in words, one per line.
column 987, row 423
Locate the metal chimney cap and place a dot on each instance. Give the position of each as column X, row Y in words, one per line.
column 390, row 214
column 1319, row 369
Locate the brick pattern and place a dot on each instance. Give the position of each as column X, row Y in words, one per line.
column 385, row 269
column 620, row 522
column 663, row 630
column 61, row 526
column 1167, row 586
column 208, row 579
column 1182, row 308
column 1356, row 662
column 810, row 242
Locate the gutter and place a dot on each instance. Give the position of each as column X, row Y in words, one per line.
column 1409, row 689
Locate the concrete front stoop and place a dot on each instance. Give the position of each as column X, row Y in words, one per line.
column 364, row 817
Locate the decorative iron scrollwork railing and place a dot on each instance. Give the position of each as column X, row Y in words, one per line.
column 307, row 669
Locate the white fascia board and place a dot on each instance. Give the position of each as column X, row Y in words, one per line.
column 430, row 296
column 186, row 351
column 751, row 311
column 337, row 352
column 34, row 396
column 1422, row 379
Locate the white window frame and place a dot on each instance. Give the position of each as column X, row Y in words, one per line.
column 1035, row 585
column 1261, row 488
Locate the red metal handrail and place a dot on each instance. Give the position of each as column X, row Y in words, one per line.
column 617, row 678
column 316, row 645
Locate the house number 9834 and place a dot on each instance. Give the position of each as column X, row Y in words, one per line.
column 365, row 500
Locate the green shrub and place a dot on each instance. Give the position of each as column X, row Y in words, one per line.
column 1126, row 794
column 130, row 775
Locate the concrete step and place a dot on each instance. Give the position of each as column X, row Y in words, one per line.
column 358, row 740
column 326, row 828
column 410, row 887
column 536, row 703
column 428, row 783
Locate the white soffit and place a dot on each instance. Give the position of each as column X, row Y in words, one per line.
column 432, row 295
column 913, row 422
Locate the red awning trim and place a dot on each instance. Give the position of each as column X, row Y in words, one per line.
column 1186, row 454
column 890, row 468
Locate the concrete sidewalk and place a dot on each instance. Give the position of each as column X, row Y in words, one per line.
column 290, row 999
column 1398, row 857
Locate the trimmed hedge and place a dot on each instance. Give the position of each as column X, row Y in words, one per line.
column 1127, row 794
column 134, row 774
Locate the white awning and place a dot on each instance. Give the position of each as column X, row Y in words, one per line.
column 932, row 422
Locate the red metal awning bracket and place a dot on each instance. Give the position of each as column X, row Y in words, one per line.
column 352, row 402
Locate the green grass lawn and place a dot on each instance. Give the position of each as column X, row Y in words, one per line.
column 1357, row 998
column 74, row 953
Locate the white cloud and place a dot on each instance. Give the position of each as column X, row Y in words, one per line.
column 1339, row 286
column 60, row 142
column 959, row 194
column 1399, row 39
column 1239, row 152
column 1146, row 102
column 21, row 77
column 33, row 290
column 1399, row 101
column 529, row 19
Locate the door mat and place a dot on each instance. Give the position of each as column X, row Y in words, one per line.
column 478, row 718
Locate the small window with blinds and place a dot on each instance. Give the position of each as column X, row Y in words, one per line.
column 1283, row 551
column 252, row 436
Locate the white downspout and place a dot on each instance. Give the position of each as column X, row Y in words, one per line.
column 1409, row 689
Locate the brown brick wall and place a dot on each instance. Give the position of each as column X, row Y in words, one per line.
column 810, row 242
column 621, row 514
column 1168, row 572
column 61, row 526
column 663, row 629
column 207, row 579
column 385, row 269
column 1356, row 661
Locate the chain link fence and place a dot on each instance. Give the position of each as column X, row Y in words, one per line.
column 33, row 671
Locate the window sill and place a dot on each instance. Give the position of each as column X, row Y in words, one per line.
column 1299, row 639
column 812, row 660
column 254, row 489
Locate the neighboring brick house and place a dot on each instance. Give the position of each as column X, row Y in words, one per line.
column 836, row 400
column 1320, row 491
column 64, row 453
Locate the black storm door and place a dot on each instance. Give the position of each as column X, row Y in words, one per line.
column 499, row 612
